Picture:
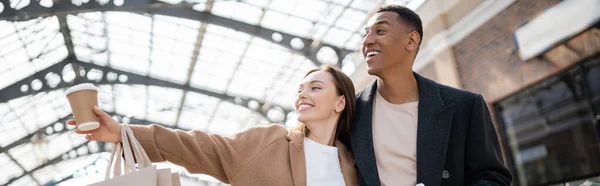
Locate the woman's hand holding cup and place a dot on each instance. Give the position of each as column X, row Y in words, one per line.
column 109, row 130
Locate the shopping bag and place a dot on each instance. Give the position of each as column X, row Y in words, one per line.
column 145, row 174
column 164, row 177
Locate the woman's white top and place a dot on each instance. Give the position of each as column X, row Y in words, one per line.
column 322, row 164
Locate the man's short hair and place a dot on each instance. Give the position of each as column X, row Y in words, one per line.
column 406, row 15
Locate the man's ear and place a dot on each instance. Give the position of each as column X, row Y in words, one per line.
column 413, row 41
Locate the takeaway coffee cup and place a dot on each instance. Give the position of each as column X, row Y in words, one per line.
column 83, row 98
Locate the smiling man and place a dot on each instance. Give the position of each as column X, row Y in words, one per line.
column 409, row 129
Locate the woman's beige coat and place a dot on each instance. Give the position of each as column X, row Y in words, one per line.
column 260, row 156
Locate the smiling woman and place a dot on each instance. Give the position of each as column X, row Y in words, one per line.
column 271, row 155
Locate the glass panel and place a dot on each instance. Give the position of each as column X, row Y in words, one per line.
column 106, row 98
column 365, row 5
column 72, row 165
column 550, row 131
column 88, row 34
column 197, row 110
column 11, row 128
column 354, row 43
column 222, row 50
column 128, row 37
column 163, row 104
column 18, row 63
column 254, row 120
column 225, row 39
column 593, row 82
column 40, row 109
column 9, row 169
column 214, row 69
column 283, row 6
column 62, row 143
column 172, row 47
column 333, row 14
column 40, row 37
column 319, row 31
column 273, row 20
column 296, row 26
column 25, row 156
column 253, row 78
column 259, row 3
column 414, row 4
column 337, row 37
column 130, row 100
column 238, row 11
column 350, row 20
column 45, row 174
column 24, row 181
column 228, row 119
column 310, row 9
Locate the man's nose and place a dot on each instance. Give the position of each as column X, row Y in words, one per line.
column 369, row 39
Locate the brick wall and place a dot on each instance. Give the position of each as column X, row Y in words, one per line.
column 487, row 61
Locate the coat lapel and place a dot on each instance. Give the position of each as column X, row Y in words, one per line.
column 362, row 137
column 433, row 130
column 347, row 164
column 297, row 158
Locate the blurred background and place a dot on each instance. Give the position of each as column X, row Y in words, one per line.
column 223, row 66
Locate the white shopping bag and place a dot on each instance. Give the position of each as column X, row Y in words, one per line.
column 145, row 175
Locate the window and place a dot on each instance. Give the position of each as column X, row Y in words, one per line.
column 550, row 128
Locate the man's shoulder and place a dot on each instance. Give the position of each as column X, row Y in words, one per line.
column 364, row 95
column 457, row 96
column 448, row 93
column 365, row 90
column 360, row 93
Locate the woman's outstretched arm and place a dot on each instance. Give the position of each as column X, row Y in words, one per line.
column 195, row 150
column 199, row 152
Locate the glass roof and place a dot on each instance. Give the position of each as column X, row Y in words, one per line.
column 187, row 53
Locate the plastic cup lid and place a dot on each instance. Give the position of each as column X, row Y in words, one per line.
column 83, row 86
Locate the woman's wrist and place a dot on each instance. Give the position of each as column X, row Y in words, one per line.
column 119, row 133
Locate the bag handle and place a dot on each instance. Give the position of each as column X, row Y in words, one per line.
column 129, row 160
column 128, row 147
column 115, row 163
column 140, row 154
column 112, row 161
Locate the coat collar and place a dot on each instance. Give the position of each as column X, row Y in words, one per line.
column 347, row 163
column 298, row 160
column 434, row 122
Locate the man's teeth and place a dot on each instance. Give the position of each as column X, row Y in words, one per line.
column 373, row 53
column 305, row 106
